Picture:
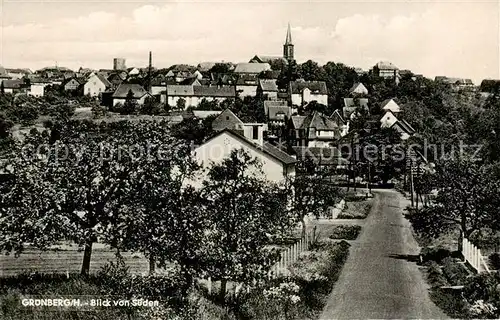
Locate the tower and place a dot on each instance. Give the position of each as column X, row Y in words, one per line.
column 288, row 46
column 119, row 64
column 150, row 66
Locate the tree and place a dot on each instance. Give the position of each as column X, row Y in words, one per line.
column 311, row 71
column 192, row 130
column 72, row 185
column 165, row 221
column 181, row 104
column 62, row 111
column 130, row 105
column 467, row 199
column 246, row 213
column 208, row 105
column 310, row 192
column 220, row 68
column 25, row 114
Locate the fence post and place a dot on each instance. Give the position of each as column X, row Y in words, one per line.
column 479, row 264
column 209, row 285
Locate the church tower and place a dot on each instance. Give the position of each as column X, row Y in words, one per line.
column 288, row 46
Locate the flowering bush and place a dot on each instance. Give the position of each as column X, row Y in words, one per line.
column 286, row 292
column 481, row 309
column 309, row 266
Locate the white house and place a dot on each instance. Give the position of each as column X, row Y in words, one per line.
column 96, row 85
column 139, row 93
column 390, row 105
column 386, row 69
column 389, row 120
column 277, row 165
column 37, row 87
column 302, row 92
column 246, row 86
column 193, row 95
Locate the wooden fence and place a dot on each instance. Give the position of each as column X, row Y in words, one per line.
column 291, row 255
column 473, row 256
column 280, row 268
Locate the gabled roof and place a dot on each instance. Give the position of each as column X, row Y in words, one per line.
column 247, row 80
column 101, row 78
column 268, row 85
column 266, row 59
column 337, row 118
column 205, row 66
column 251, row 67
column 407, row 126
column 266, row 148
column 226, row 119
column 190, row 82
column 358, row 88
column 318, row 87
column 124, row 88
column 274, row 110
column 319, row 122
column 390, row 104
column 297, row 121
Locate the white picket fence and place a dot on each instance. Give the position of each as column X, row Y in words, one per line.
column 290, row 256
column 473, row 256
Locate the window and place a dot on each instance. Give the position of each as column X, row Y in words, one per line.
column 255, row 133
column 227, row 117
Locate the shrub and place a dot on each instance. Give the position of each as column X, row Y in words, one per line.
column 346, row 232
column 436, row 254
column 484, row 287
column 435, row 275
column 494, row 259
column 455, row 273
column 356, row 210
column 480, row 309
column 451, row 302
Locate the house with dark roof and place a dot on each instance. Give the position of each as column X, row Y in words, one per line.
column 277, row 114
column 96, row 85
column 13, row 86
column 313, row 130
column 301, row 92
column 269, row 88
column 72, row 84
column 268, row 59
column 227, row 120
column 193, row 95
column 18, row 73
column 456, row 83
column 340, row 121
column 121, row 94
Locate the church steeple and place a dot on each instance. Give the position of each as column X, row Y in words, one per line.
column 288, row 35
column 288, row 46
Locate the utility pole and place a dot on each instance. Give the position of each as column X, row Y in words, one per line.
column 149, row 71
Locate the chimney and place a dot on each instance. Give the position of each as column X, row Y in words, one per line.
column 149, row 71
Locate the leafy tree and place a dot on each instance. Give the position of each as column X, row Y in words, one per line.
column 192, row 130
column 220, row 68
column 62, row 112
column 310, row 192
column 130, row 105
column 72, row 185
column 245, row 214
column 149, row 107
column 98, row 111
column 467, row 199
column 25, row 114
column 208, row 105
column 311, row 71
column 181, row 104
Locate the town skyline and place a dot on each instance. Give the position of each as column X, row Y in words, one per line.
column 414, row 36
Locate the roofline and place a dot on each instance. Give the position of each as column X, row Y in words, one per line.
column 248, row 142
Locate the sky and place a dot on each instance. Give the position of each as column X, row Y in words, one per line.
column 451, row 38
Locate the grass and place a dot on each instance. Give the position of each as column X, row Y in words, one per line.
column 345, row 232
column 356, row 209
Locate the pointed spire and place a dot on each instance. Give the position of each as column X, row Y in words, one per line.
column 288, row 35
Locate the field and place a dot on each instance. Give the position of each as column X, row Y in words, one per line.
column 66, row 259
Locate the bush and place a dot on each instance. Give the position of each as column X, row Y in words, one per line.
column 435, row 275
column 451, row 302
column 494, row 259
column 484, row 287
column 436, row 254
column 455, row 273
column 356, row 210
column 346, row 232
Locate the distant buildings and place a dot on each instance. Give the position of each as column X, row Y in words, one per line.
column 389, row 120
column 251, row 68
column 390, row 105
column 456, row 83
column 302, row 92
column 386, row 69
